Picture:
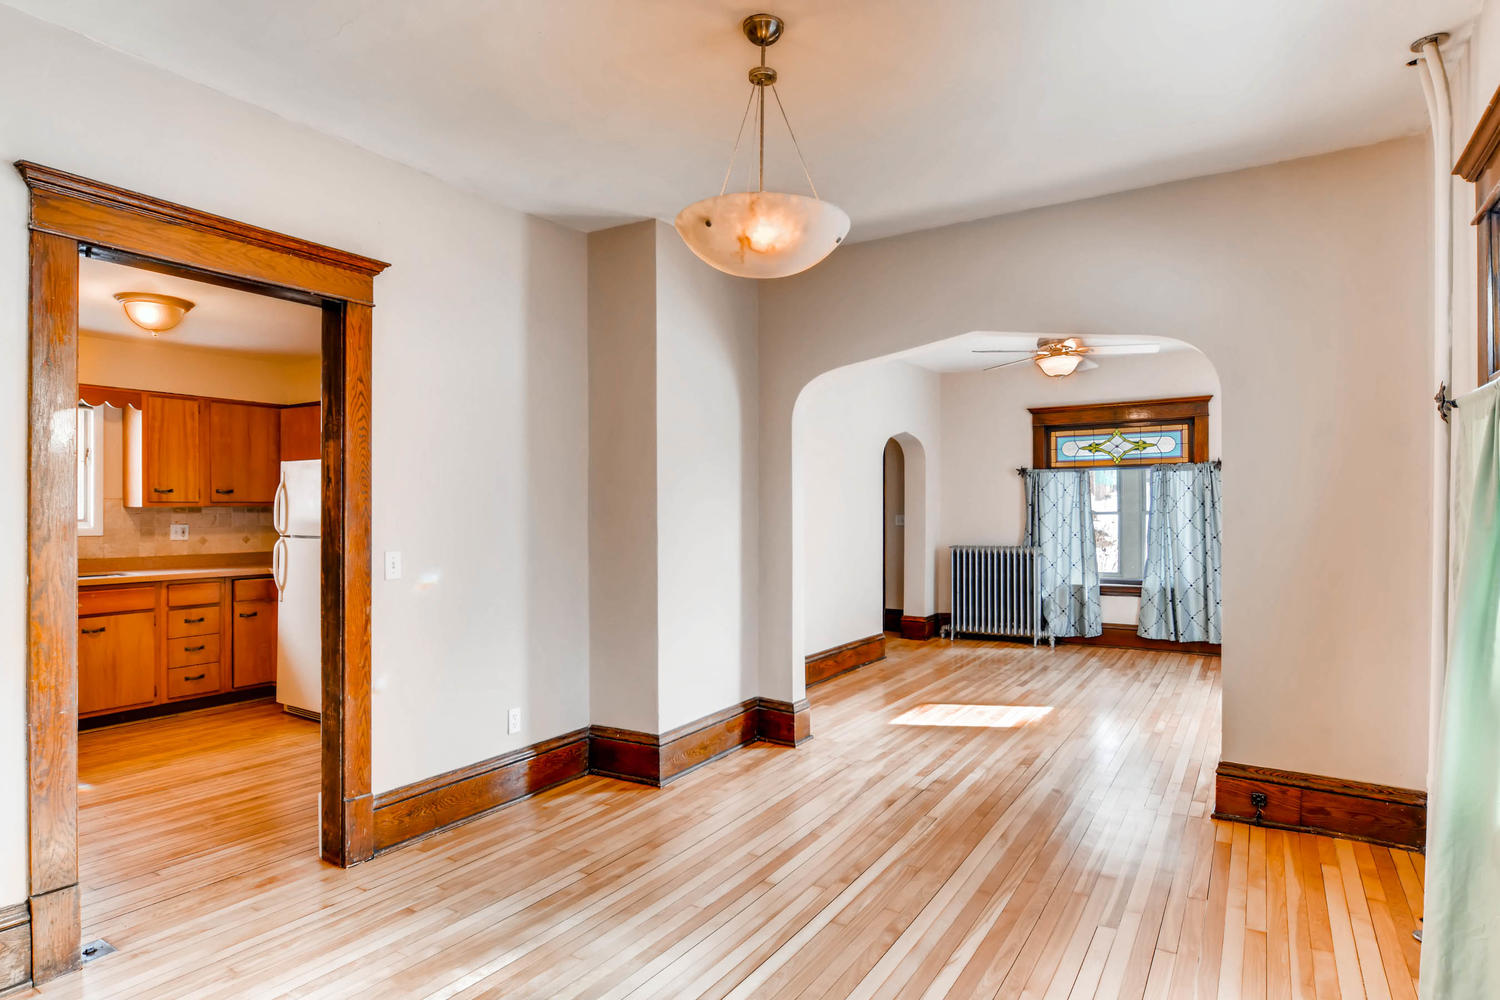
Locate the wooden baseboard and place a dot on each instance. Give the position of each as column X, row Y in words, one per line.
column 15, row 945
column 918, row 627
column 1380, row 814
column 786, row 723
column 842, row 659
column 892, row 622
column 425, row 807
column 653, row 759
column 444, row 800
column 1125, row 637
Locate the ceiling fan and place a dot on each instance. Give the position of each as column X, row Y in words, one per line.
column 1060, row 357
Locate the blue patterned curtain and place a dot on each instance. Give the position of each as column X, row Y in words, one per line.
column 1180, row 586
column 1060, row 522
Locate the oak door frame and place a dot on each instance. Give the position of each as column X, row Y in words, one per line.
column 70, row 215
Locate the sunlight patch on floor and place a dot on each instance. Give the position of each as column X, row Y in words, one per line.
column 988, row 716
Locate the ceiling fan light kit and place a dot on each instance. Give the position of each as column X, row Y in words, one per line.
column 760, row 233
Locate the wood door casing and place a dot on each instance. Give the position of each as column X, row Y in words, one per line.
column 116, row 661
column 254, row 643
column 244, row 453
column 173, row 451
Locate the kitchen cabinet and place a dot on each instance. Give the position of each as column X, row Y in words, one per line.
column 164, row 452
column 173, row 640
column 244, row 453
column 117, row 651
column 301, row 432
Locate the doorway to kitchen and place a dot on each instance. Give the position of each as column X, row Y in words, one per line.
column 71, row 218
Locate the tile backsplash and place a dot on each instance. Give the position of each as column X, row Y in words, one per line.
column 146, row 532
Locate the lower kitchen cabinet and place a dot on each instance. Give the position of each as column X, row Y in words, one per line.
column 149, row 644
column 116, row 661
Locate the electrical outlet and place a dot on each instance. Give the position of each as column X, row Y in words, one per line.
column 513, row 721
column 179, row 532
column 393, row 565
column 900, row 520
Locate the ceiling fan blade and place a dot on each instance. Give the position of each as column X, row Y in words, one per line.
column 1086, row 365
column 1007, row 364
column 1125, row 349
column 1002, row 351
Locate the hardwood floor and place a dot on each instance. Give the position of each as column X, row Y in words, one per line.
column 958, row 852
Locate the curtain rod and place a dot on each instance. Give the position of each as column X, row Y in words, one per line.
column 1217, row 463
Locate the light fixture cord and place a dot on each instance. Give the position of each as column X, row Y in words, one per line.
column 737, row 137
column 762, row 89
column 795, row 145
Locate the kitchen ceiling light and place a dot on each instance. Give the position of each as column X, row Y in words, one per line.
column 760, row 233
column 153, row 313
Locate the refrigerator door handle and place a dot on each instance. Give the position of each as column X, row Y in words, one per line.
column 278, row 508
column 278, row 568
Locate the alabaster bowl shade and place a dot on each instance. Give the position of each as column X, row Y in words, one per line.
column 762, row 234
column 1058, row 365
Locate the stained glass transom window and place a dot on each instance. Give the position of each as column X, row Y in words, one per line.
column 1075, row 447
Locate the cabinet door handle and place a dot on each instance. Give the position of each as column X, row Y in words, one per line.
column 193, row 649
column 195, row 677
column 94, row 631
column 223, row 493
column 248, row 614
column 158, row 489
column 193, row 621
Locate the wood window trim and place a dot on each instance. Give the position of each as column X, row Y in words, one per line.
column 1479, row 164
column 68, row 213
column 1192, row 409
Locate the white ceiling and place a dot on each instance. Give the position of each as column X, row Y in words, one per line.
column 956, row 354
column 221, row 319
column 593, row 112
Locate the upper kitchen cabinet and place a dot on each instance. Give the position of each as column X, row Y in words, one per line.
column 164, row 461
column 301, row 432
column 183, row 451
column 244, row 453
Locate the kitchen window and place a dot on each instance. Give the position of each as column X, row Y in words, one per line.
column 90, row 473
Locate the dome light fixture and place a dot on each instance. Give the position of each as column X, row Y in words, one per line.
column 153, row 313
column 1058, row 365
column 760, row 233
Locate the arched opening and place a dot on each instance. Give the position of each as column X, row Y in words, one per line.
column 893, row 534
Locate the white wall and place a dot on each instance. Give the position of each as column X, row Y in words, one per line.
column 706, row 472
column 140, row 364
column 480, row 421
column 842, row 423
column 1305, row 284
column 673, row 543
column 987, row 437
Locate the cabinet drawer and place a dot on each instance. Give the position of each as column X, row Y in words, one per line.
column 109, row 600
column 192, row 650
column 259, row 589
column 192, row 621
column 185, row 682
column 181, row 595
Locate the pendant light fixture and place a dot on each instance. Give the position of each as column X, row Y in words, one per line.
column 760, row 233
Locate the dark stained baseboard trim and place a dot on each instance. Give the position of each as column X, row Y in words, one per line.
column 1355, row 810
column 15, row 945
column 444, row 800
column 919, row 628
column 177, row 707
column 1125, row 637
column 892, row 622
column 831, row 663
column 433, row 804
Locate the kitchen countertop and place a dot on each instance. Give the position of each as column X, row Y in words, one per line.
column 172, row 575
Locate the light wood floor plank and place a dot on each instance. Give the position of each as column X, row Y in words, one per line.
column 1068, row 857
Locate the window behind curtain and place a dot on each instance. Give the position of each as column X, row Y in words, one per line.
column 1122, row 502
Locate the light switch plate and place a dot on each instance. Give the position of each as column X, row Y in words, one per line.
column 393, row 565
column 179, row 532
column 513, row 721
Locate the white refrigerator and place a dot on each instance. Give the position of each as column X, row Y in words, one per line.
column 297, row 565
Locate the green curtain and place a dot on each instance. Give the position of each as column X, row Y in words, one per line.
column 1461, row 926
